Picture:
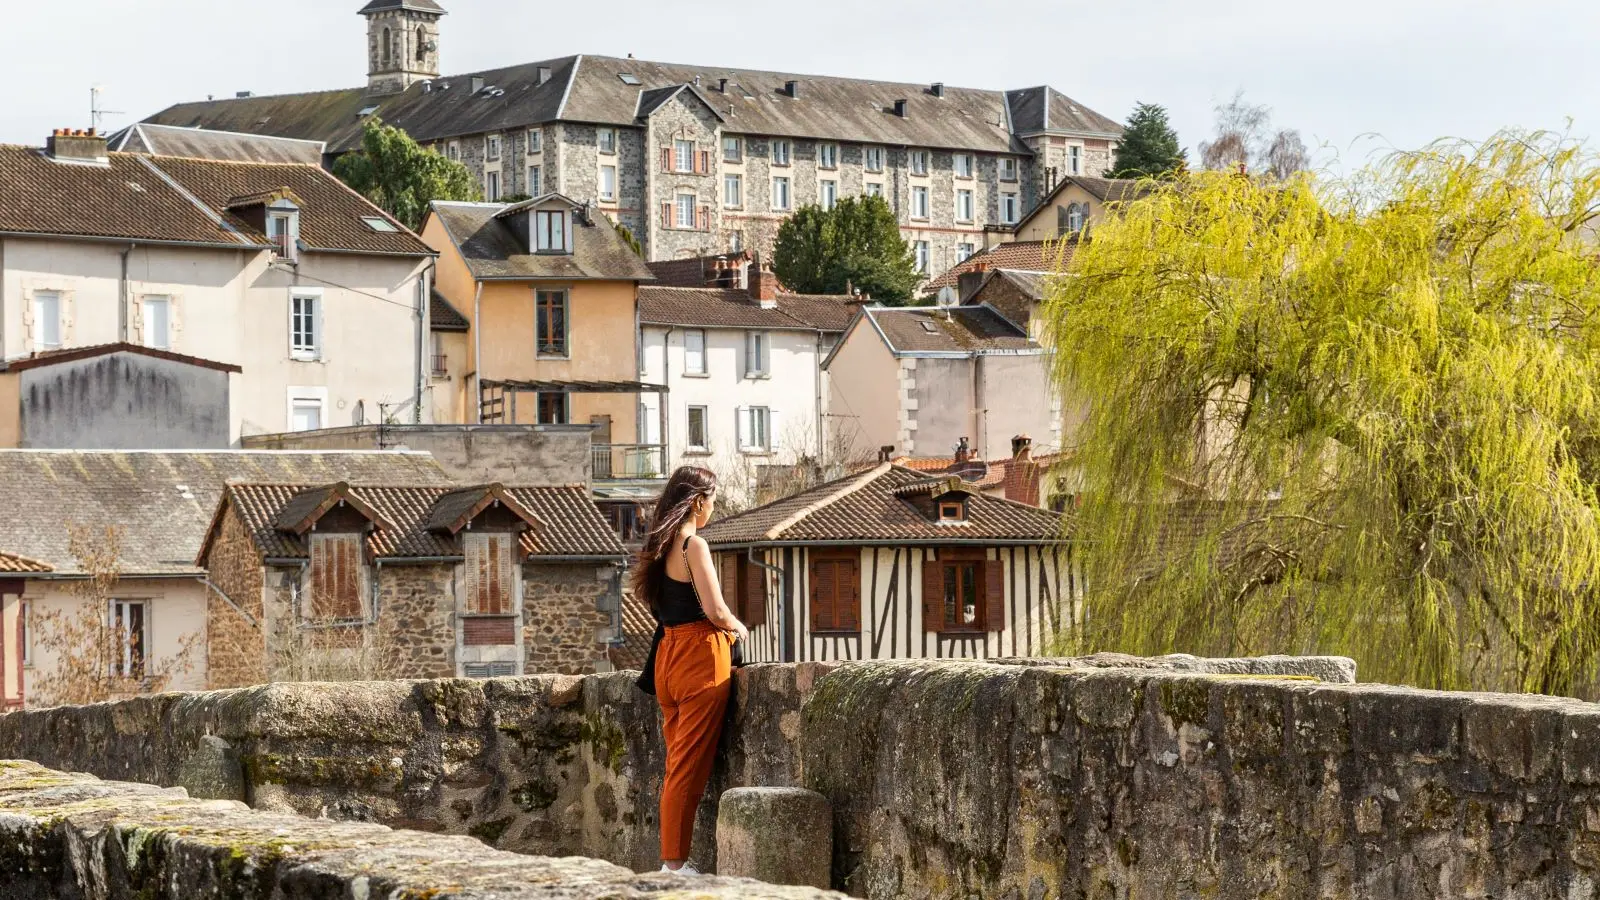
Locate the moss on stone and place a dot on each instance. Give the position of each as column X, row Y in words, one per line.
column 489, row 832
column 1186, row 701
column 606, row 741
column 535, row 795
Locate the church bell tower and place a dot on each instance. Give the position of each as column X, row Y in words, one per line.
column 402, row 43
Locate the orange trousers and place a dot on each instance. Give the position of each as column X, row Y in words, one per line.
column 694, row 675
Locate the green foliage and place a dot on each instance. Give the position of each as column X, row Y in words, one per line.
column 629, row 239
column 857, row 244
column 1356, row 418
column 1149, row 146
column 396, row 174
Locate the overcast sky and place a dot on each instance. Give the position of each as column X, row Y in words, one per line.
column 1407, row 71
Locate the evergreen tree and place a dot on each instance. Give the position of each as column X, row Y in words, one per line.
column 857, row 244
column 402, row 178
column 1149, row 147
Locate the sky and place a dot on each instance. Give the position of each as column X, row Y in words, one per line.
column 1356, row 78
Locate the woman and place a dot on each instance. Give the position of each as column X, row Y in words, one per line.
column 693, row 670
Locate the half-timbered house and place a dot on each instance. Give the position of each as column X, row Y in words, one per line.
column 893, row 564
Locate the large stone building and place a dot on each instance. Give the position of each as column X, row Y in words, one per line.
column 701, row 159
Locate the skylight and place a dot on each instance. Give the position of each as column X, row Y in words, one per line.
column 367, row 111
column 378, row 224
column 929, row 328
column 627, row 79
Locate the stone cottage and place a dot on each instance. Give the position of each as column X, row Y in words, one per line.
column 342, row 581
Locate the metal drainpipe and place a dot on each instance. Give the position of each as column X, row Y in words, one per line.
column 123, row 298
column 377, row 577
column 783, row 608
column 422, row 334
column 817, row 412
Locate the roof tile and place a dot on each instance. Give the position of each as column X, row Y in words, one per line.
column 958, row 329
column 1025, row 256
column 492, row 250
column 731, row 308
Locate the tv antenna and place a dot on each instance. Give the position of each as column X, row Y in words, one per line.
column 95, row 112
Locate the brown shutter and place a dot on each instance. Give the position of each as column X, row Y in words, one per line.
column 755, row 594
column 491, row 573
column 849, row 610
column 666, row 215
column 824, row 587
column 666, row 159
column 704, row 161
column 728, row 569
column 335, row 577
column 932, row 593
column 994, row 595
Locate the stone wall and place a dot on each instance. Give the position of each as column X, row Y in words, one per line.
column 235, row 643
column 562, row 621
column 470, row 454
column 1100, row 778
column 74, row 837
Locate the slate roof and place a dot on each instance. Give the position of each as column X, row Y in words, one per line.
column 200, row 143
column 47, row 358
column 863, row 508
column 162, row 501
column 1031, row 284
column 492, row 251
column 168, row 199
column 570, row 524
column 383, row 5
column 444, row 317
column 731, row 308
column 589, row 89
column 1025, row 256
column 911, row 330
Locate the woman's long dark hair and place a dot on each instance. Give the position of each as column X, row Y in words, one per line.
column 688, row 484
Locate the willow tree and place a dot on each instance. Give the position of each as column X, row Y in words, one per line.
column 1355, row 417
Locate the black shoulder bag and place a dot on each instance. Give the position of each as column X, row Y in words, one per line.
column 647, row 679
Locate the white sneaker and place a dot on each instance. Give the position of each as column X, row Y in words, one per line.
column 685, row 869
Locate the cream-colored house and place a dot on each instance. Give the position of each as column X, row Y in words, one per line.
column 318, row 297
column 1077, row 202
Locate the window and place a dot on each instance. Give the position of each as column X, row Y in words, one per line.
column 732, row 149
column 828, row 194
column 606, row 140
column 919, row 162
column 755, row 429
column 1075, row 217
column 535, row 181
column 780, row 153
column 1074, row 159
column 378, row 223
column 535, row 141
column 305, row 324
column 550, row 231
column 422, row 44
column 684, row 207
column 733, row 191
column 919, row 202
column 335, row 577
column 874, row 189
column 683, row 156
column 551, row 324
column 873, row 158
column 388, row 47
column 441, row 361
column 963, row 206
column 157, row 322
column 755, row 354
column 128, row 633
column 1008, row 209
column 608, row 182
column 491, row 572
column 305, row 410
column 552, row 408
column 962, row 163
column 46, row 320
column 491, row 187
column 280, row 234
column 963, row 591
column 735, row 241
column 952, row 511
column 491, row 147
column 964, row 252
column 827, row 156
column 835, row 587
column 699, row 441
column 453, row 150
column 780, row 193
column 694, row 352
column 924, row 257
column 1008, row 168
column 961, row 607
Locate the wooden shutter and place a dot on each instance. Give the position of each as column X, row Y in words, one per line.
column 755, row 594
column 666, row 159
column 666, row 215
column 491, row 573
column 336, row 576
column 728, row 580
column 848, row 604
column 932, row 593
column 704, row 162
column 824, row 588
column 994, row 595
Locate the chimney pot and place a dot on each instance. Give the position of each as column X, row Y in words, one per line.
column 79, row 146
column 963, row 451
column 900, row 108
column 886, row 453
column 1022, row 447
column 762, row 285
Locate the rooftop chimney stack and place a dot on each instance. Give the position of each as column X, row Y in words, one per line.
column 544, row 74
column 792, row 88
column 900, row 108
column 963, row 451
column 886, row 453
column 477, row 83
column 938, row 89
column 722, row 85
column 1022, row 447
column 78, row 146
column 763, row 285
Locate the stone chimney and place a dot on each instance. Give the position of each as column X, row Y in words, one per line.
column 762, row 285
column 76, row 146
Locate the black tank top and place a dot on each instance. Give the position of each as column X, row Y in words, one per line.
column 678, row 603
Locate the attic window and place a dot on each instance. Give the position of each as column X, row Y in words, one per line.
column 628, row 79
column 952, row 511
column 379, row 224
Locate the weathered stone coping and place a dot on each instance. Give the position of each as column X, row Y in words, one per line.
column 75, row 836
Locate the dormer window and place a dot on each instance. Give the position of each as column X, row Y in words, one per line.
column 952, row 512
column 552, row 230
column 282, row 229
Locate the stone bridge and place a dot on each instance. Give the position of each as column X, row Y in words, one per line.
column 1022, row 779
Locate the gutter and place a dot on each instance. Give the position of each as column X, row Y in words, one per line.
column 821, row 437
column 100, row 239
column 578, row 558
column 423, row 296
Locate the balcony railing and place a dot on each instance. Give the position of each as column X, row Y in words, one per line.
column 441, row 365
column 628, row 462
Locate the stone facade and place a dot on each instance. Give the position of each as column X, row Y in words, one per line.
column 402, row 48
column 235, row 645
column 562, row 620
column 416, row 609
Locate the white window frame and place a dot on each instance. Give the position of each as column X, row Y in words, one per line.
column 782, row 152
column 964, row 251
column 787, row 192
column 535, row 181
column 734, row 144
column 608, row 193
column 918, row 162
column 605, row 141
column 694, row 360
column 535, row 141
column 117, row 610
column 1009, row 208
column 683, row 156
column 962, row 170
column 544, row 237
column 491, row 147
column 281, row 233
column 164, row 303
column 872, row 159
column 924, row 256
column 733, row 191
column 755, row 429
column 452, row 150
column 919, row 202
column 300, row 349
column 704, row 446
column 491, row 187
column 306, row 397
column 686, row 206
column 827, row 193
column 965, row 210
column 757, row 354
column 1076, row 216
column 39, row 318
column 827, row 156
column 873, row 189
column 1075, row 159
column 1008, row 168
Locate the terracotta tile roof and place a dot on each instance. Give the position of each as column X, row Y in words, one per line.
column 731, row 308
column 47, row 358
column 492, row 250
column 638, row 629
column 163, row 501
column 444, row 317
column 977, row 473
column 201, row 143
column 699, row 271
column 959, row 329
column 13, row 564
column 331, row 214
column 591, row 89
column 569, row 524
column 1026, row 256
column 863, row 508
